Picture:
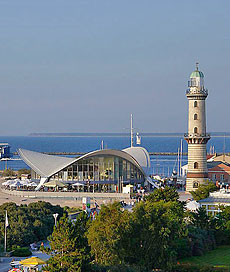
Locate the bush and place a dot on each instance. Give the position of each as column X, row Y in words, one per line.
column 201, row 241
column 183, row 248
column 70, row 210
column 21, row 252
column 204, row 190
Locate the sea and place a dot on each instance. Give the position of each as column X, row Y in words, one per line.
column 160, row 164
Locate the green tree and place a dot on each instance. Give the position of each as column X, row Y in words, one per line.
column 27, row 223
column 69, row 246
column 200, row 219
column 204, row 190
column 166, row 194
column 156, row 227
column 221, row 225
column 8, row 173
column 107, row 235
column 201, row 232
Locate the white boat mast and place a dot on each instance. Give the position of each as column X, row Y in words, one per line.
column 181, row 147
column 131, row 131
column 178, row 162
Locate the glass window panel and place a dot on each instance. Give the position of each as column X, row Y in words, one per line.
column 60, row 175
column 128, row 171
column 101, row 169
column 80, row 175
column 132, row 171
column 116, row 168
column 91, row 175
column 64, row 175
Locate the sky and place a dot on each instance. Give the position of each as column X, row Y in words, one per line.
column 86, row 65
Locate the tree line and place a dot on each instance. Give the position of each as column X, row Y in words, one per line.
column 155, row 235
column 27, row 223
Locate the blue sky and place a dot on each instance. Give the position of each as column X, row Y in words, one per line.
column 84, row 66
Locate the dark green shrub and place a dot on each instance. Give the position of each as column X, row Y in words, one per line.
column 183, row 248
column 201, row 241
column 21, row 252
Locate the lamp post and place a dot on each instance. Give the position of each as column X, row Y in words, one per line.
column 55, row 215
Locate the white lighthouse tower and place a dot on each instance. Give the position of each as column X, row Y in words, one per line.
column 196, row 137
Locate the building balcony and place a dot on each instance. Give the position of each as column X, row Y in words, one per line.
column 197, row 92
column 197, row 135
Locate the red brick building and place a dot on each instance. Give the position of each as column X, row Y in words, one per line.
column 219, row 172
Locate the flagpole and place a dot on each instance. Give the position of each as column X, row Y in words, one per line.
column 6, row 225
column 5, row 233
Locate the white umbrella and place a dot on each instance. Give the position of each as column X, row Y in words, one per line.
column 24, row 182
column 192, row 205
column 32, row 184
column 8, row 182
column 16, row 184
column 77, row 184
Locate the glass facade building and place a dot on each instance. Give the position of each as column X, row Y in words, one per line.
column 101, row 170
column 104, row 170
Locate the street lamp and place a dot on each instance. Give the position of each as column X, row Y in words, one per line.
column 55, row 215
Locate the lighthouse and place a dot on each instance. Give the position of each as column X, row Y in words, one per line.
column 196, row 137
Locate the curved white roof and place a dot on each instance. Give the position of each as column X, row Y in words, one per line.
column 42, row 164
column 47, row 165
column 141, row 155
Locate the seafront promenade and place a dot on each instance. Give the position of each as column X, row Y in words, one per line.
column 70, row 199
column 66, row 195
column 67, row 198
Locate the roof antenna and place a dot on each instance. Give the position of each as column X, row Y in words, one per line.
column 197, row 66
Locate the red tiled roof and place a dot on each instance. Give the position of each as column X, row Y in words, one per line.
column 210, row 156
column 220, row 167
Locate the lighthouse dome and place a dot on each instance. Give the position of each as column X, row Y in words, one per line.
column 196, row 82
column 197, row 73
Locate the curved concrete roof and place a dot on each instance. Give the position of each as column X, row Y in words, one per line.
column 141, row 155
column 42, row 164
column 47, row 165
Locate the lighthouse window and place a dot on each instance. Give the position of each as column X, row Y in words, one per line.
column 195, row 104
column 195, row 116
column 195, row 165
column 195, row 130
column 195, row 184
